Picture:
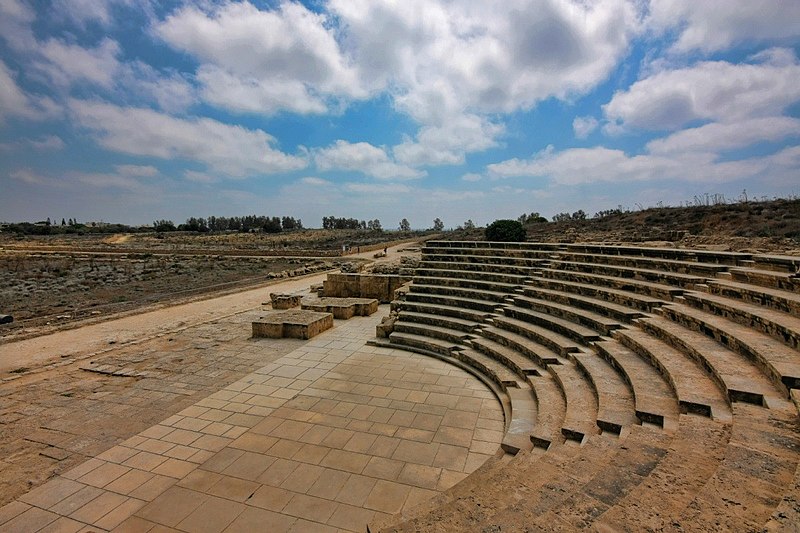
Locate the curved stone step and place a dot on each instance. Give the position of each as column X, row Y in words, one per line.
column 692, row 268
column 473, row 315
column 785, row 281
column 695, row 389
column 466, row 326
column 646, row 288
column 776, row 299
column 550, row 339
column 475, row 267
column 430, row 344
column 752, row 479
column 479, row 284
column 459, row 292
column 510, row 357
column 454, row 301
column 585, row 485
column 680, row 254
column 779, row 325
column 589, row 319
column 580, row 420
column 538, row 480
column 465, row 274
column 535, row 351
column 739, row 378
column 601, row 307
column 693, row 457
column 551, row 408
column 628, row 301
column 453, row 336
column 519, row 260
column 778, row 361
column 652, row 276
column 570, row 329
column 615, row 405
column 653, row 397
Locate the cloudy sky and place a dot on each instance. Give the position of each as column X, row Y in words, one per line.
column 131, row 111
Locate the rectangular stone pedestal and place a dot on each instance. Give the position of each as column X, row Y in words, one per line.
column 342, row 308
column 292, row 324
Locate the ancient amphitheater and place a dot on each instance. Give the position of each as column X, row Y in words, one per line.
column 643, row 388
column 514, row 387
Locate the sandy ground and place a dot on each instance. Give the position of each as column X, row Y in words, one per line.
column 89, row 340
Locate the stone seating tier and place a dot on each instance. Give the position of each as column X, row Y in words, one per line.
column 601, row 307
column 780, row 325
column 615, row 406
column 784, row 281
column 437, row 332
column 696, row 392
column 445, row 310
column 649, row 263
column 765, row 297
column 522, row 261
column 512, row 279
column 517, row 270
column 454, row 301
column 551, row 406
column 778, row 361
column 678, row 254
column 553, row 340
column 465, row 326
column 461, row 292
column 687, row 360
column 494, row 286
column 565, row 327
column 738, row 378
column 653, row 276
column 589, row 319
column 654, row 399
column 653, row 290
column 566, row 289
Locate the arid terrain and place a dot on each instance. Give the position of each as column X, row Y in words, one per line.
column 51, row 282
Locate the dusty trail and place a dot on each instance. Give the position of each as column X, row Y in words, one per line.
column 90, row 339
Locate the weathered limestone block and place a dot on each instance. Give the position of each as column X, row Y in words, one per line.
column 342, row 308
column 386, row 327
column 380, row 287
column 295, row 324
column 284, row 301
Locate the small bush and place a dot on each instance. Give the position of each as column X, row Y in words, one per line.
column 505, row 231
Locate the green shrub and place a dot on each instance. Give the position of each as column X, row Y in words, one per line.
column 505, row 231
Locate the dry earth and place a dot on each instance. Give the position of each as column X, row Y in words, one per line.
column 69, row 395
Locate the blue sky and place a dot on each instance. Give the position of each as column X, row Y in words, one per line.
column 131, row 111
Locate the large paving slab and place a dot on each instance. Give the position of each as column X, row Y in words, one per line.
column 324, row 438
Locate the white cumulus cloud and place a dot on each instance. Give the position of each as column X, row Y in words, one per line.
column 362, row 157
column 232, row 150
column 709, row 90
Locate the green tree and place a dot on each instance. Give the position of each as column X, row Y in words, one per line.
column 505, row 231
column 405, row 225
column 438, row 225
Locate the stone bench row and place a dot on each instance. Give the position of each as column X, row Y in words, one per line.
column 665, row 365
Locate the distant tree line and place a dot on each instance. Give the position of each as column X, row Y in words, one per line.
column 242, row 224
column 332, row 222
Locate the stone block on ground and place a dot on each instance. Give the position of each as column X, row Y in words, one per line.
column 377, row 286
column 342, row 308
column 284, row 301
column 293, row 323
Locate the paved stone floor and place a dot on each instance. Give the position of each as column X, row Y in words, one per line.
column 323, row 438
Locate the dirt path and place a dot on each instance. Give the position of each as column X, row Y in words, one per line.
column 91, row 339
